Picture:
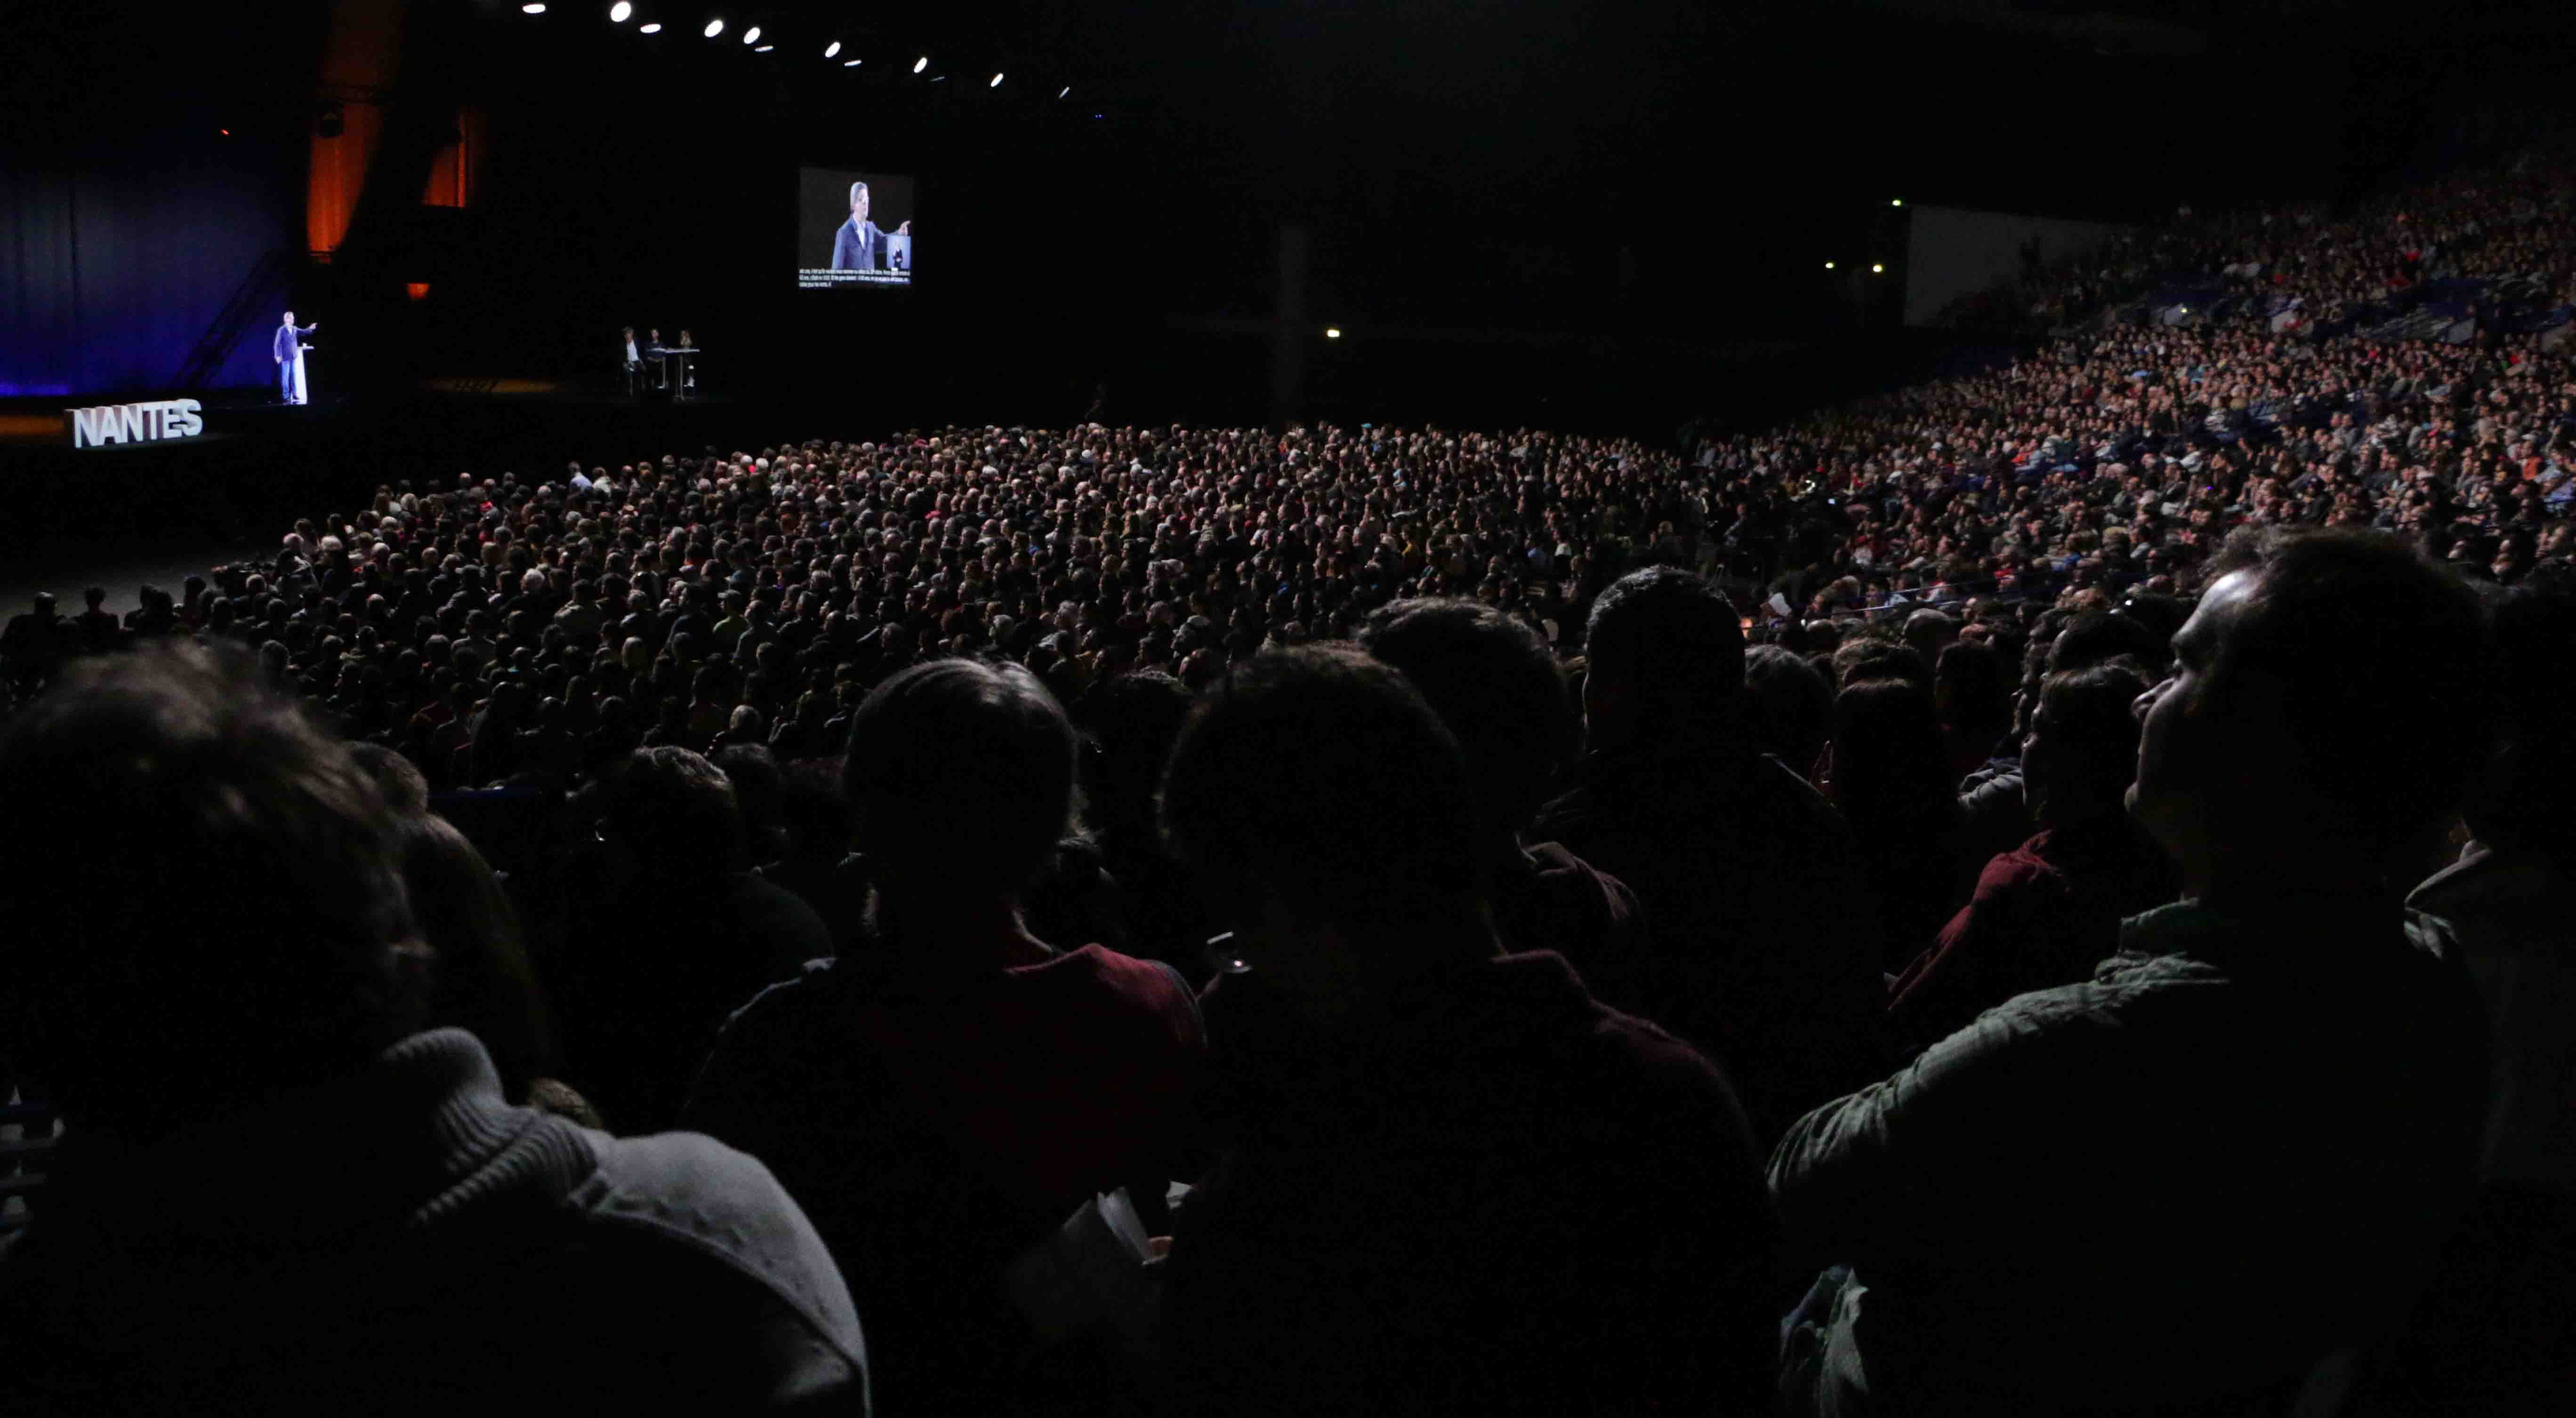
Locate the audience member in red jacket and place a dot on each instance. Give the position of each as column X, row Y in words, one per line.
column 2047, row 911
column 948, row 1092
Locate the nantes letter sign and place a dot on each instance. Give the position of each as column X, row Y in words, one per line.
column 134, row 423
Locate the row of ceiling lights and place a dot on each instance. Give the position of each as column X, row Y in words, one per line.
column 624, row 10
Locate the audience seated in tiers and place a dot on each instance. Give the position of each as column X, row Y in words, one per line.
column 1759, row 944
column 1458, row 1183
column 2235, row 1151
column 947, row 1092
column 500, row 650
column 274, row 1195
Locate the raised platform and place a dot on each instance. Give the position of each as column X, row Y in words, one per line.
column 44, row 423
column 258, row 465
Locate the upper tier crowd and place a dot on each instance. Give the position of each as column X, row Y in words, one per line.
column 2045, row 893
column 2122, row 449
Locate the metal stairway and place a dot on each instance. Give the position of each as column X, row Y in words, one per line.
column 268, row 278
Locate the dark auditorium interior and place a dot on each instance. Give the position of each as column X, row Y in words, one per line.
column 1583, row 707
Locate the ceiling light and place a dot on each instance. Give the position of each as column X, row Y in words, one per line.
column 752, row 35
column 618, row 12
column 997, row 82
column 715, row 27
column 920, row 64
column 831, row 49
column 655, row 27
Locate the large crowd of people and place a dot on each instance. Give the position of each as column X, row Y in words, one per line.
column 2044, row 893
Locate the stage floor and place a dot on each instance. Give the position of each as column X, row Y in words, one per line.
column 125, row 514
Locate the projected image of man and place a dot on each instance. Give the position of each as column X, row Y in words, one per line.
column 860, row 245
column 287, row 348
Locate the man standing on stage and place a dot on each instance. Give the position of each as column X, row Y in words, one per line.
column 288, row 349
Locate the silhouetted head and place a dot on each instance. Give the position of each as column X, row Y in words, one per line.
column 675, row 814
column 234, row 921
column 960, row 777
column 2332, row 693
column 1495, row 683
column 1664, row 657
column 1318, row 782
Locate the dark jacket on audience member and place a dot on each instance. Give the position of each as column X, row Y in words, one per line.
column 2232, row 1152
column 940, row 1125
column 404, row 1241
column 1757, row 944
column 657, row 972
column 1554, row 900
column 1519, row 1201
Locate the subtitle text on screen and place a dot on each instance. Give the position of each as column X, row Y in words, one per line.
column 826, row 279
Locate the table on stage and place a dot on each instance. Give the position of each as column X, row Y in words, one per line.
column 675, row 366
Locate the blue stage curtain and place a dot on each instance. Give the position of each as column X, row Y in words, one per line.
column 112, row 267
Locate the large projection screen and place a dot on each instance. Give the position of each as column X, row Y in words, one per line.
column 1951, row 252
column 854, row 229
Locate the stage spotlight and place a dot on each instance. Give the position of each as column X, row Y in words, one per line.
column 532, row 8
column 619, row 12
column 1876, row 269
column 1829, row 265
column 763, row 48
column 654, row 27
column 920, row 64
column 1896, row 201
column 1332, row 332
column 849, row 63
column 752, row 35
column 831, row 49
column 1064, row 92
column 715, row 27
column 997, row 82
